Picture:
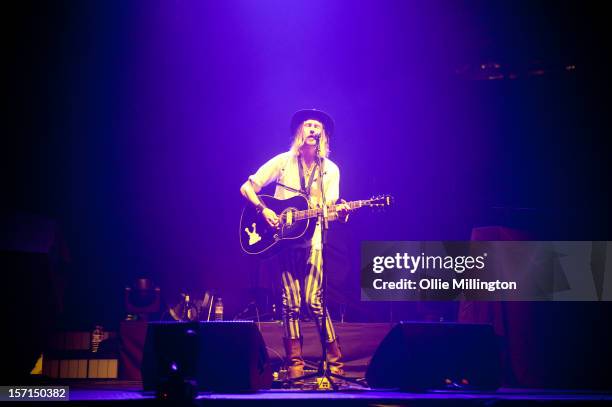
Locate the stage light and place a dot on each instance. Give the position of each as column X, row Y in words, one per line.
column 141, row 299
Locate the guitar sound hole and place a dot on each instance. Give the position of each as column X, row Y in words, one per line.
column 288, row 222
column 288, row 217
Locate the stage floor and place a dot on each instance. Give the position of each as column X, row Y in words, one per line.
column 129, row 392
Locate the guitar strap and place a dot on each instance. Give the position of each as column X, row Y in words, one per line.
column 305, row 192
column 288, row 188
column 306, row 189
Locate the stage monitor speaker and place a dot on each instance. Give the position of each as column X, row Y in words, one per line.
column 417, row 356
column 229, row 357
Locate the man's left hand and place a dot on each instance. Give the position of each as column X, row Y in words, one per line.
column 343, row 210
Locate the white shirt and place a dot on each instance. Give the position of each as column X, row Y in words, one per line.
column 284, row 169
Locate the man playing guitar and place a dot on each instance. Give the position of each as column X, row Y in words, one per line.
column 296, row 172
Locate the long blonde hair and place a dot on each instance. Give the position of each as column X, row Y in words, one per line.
column 298, row 142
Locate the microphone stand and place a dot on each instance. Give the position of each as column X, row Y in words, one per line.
column 324, row 369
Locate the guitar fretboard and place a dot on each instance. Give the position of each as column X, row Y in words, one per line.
column 331, row 210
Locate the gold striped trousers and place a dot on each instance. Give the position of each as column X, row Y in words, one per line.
column 302, row 279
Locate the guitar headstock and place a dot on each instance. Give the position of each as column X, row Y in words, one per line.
column 380, row 201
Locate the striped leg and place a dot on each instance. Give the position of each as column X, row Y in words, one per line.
column 291, row 305
column 291, row 315
column 314, row 291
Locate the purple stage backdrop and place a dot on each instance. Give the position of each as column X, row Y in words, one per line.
column 137, row 122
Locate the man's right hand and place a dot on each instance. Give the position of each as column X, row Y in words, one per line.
column 270, row 217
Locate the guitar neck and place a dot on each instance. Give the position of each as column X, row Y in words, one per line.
column 331, row 210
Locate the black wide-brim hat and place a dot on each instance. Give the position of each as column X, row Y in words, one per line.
column 301, row 116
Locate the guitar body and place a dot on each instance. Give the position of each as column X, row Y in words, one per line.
column 257, row 237
column 297, row 221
